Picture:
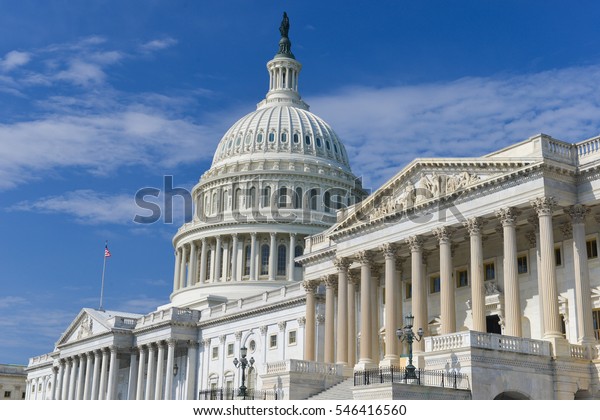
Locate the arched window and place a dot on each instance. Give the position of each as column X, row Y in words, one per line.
column 281, row 260
column 283, row 137
column 252, row 198
column 313, row 199
column 264, row 259
column 296, row 138
column 266, row 196
column 236, row 199
column 327, row 201
column 307, row 140
column 259, row 138
column 271, row 137
column 298, row 251
column 282, row 197
column 318, row 142
column 298, row 198
column 214, row 202
column 208, row 263
column 247, row 260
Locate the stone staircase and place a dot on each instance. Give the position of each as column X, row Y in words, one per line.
column 341, row 391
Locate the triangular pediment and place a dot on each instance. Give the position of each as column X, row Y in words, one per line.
column 86, row 324
column 428, row 180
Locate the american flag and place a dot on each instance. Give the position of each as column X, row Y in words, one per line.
column 106, row 251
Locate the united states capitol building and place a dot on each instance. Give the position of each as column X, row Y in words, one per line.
column 288, row 259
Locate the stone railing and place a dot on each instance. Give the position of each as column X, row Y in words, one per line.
column 40, row 359
column 170, row 314
column 559, row 150
column 578, row 352
column 303, row 366
column 476, row 339
column 122, row 322
column 13, row 369
column 588, row 149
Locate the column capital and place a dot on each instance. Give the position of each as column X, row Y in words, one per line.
column 171, row 342
column 206, row 343
column 281, row 325
column 341, row 263
column 238, row 335
column 566, row 230
column 354, row 278
column 292, row 234
column 531, row 238
column 203, row 240
column 443, row 234
column 543, row 205
column 415, row 243
column 577, row 213
column 507, row 216
column 364, row 257
column 330, row 281
column 193, row 344
column 273, row 234
column 234, row 235
column 320, row 319
column 389, row 250
column 104, row 350
column 222, row 338
column 253, row 235
column 474, row 225
column 310, row 285
column 301, row 321
column 534, row 222
column 263, row 329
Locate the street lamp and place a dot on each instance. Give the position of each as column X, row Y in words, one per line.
column 242, row 364
column 406, row 334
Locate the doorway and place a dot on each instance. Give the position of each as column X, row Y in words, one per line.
column 492, row 324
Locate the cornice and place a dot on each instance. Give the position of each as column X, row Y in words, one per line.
column 316, row 256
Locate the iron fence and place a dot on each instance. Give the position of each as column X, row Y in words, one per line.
column 234, row 394
column 398, row 375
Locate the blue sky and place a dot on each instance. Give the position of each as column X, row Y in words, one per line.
column 101, row 98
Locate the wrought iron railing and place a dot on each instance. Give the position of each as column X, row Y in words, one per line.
column 234, row 394
column 398, row 375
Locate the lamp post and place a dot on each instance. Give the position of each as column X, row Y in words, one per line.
column 242, row 364
column 406, row 334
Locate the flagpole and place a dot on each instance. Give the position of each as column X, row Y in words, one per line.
column 102, row 287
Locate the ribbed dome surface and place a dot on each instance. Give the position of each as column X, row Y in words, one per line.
column 281, row 129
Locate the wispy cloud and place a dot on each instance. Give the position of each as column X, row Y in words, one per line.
column 385, row 128
column 14, row 59
column 158, row 44
column 86, row 206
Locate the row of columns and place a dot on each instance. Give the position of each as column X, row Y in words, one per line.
column 224, row 264
column 88, row 376
column 346, row 313
column 151, row 378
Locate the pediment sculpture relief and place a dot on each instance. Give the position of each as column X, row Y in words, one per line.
column 85, row 328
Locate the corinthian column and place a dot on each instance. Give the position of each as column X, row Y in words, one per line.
column 330, row 285
column 218, row 262
column 177, row 268
column 182, row 272
column 234, row 257
column 112, row 374
column 103, row 373
column 342, row 265
column 552, row 326
column 512, row 295
column 474, row 226
column 151, row 373
column 292, row 252
column 192, row 277
column 419, row 292
column 169, row 374
column 391, row 356
column 352, row 284
column 311, row 308
column 158, row 390
column 253, row 247
column 139, row 392
column 366, row 356
column 448, row 306
column 87, row 394
column 203, row 255
column 585, row 325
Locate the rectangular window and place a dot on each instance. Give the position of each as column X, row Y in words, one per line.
column 489, row 270
column 215, row 352
column 592, row 248
column 462, row 278
column 522, row 264
column 434, row 284
column 230, row 349
column 6, row 394
column 557, row 256
column 596, row 320
column 273, row 341
column 292, row 337
column 408, row 291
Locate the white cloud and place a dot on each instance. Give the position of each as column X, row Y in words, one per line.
column 385, row 128
column 158, row 44
column 14, row 59
column 11, row 301
column 86, row 206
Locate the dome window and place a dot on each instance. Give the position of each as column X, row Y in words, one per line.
column 296, row 138
column 327, row 145
column 283, row 138
column 238, row 141
column 259, row 138
column 335, row 147
column 318, row 142
column 307, row 140
column 271, row 137
column 230, row 144
column 248, row 139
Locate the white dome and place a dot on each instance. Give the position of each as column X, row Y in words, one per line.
column 287, row 130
